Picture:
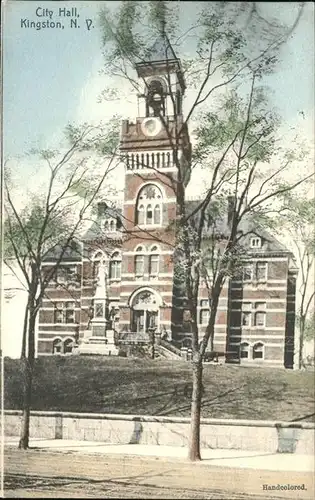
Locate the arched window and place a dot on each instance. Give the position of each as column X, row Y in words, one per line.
column 144, row 309
column 139, row 262
column 112, row 225
column 244, row 350
column 106, row 225
column 149, row 215
column 149, row 206
column 140, row 215
column 57, row 346
column 155, row 99
column 68, row 346
column 157, row 214
column 154, row 262
column 115, row 266
column 258, row 351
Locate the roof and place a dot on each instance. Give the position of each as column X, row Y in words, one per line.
column 248, row 227
column 72, row 253
column 161, row 50
column 96, row 230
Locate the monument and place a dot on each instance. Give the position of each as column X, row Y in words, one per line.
column 99, row 339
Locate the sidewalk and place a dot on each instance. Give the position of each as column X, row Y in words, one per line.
column 214, row 457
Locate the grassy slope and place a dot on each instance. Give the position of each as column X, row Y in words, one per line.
column 135, row 386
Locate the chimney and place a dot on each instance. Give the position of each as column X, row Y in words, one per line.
column 101, row 209
column 230, row 209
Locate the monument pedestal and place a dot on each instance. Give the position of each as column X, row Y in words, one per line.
column 101, row 341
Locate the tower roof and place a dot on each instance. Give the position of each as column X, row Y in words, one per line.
column 160, row 54
column 161, row 50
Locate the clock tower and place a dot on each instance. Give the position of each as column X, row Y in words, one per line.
column 156, row 148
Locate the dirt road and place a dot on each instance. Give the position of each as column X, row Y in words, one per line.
column 46, row 474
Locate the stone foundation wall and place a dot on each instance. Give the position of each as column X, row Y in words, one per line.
column 265, row 436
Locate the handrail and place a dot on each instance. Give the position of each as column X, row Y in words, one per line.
column 170, row 347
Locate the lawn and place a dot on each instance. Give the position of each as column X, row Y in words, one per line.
column 161, row 387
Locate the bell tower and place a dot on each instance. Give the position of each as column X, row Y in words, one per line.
column 157, row 144
column 156, row 150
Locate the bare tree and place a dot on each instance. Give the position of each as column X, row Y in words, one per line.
column 297, row 221
column 234, row 142
column 51, row 222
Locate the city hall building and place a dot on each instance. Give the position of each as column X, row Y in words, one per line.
column 116, row 291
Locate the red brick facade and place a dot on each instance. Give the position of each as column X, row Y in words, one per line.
column 255, row 318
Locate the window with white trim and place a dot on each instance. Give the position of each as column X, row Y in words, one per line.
column 260, row 319
column 68, row 346
column 154, row 259
column 261, row 271
column 204, row 313
column 115, row 267
column 244, row 350
column 66, row 273
column 246, row 314
column 258, row 351
column 64, row 312
column 57, row 346
column 247, row 272
column 139, row 262
column 149, row 206
column 255, row 242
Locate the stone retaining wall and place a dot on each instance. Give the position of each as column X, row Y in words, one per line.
column 281, row 437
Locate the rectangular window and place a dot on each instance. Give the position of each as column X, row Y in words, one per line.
column 246, row 318
column 64, row 312
column 260, row 318
column 115, row 270
column 58, row 313
column 261, row 271
column 139, row 265
column 260, row 305
column 153, row 265
column 69, row 307
column 204, row 316
column 66, row 273
column 246, row 306
column 247, row 272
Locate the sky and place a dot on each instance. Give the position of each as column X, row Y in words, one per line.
column 52, row 77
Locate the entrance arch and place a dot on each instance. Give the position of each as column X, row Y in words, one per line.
column 145, row 307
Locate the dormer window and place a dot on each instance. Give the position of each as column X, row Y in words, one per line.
column 255, row 242
column 110, row 225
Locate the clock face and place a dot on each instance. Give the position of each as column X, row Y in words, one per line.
column 151, row 126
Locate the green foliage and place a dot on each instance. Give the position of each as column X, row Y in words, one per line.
column 120, row 35
column 309, row 328
column 102, row 140
column 230, row 124
column 32, row 232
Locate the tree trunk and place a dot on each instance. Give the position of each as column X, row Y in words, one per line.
column 25, row 422
column 194, row 443
column 301, row 341
column 28, row 381
column 23, row 352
